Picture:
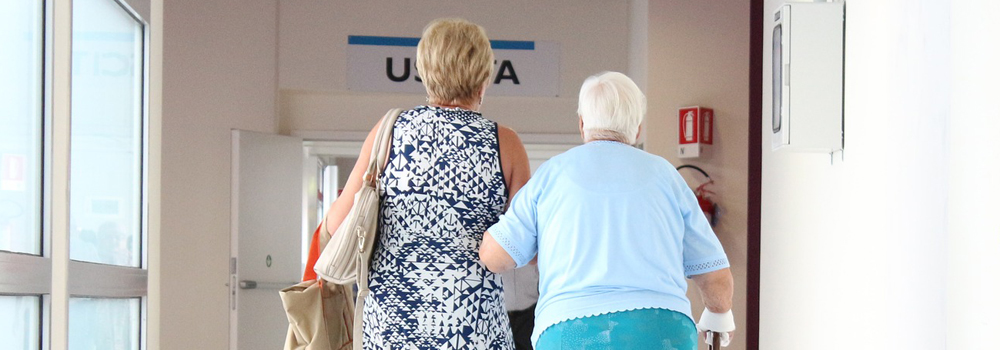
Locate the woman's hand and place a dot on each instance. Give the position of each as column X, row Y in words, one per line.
column 722, row 323
column 716, row 289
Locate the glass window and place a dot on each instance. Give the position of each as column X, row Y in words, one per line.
column 777, row 78
column 21, row 65
column 20, row 326
column 101, row 323
column 106, row 134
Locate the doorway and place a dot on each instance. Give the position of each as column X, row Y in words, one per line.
column 325, row 170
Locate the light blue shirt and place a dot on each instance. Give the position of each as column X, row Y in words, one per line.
column 614, row 228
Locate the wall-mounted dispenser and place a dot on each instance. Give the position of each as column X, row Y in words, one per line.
column 807, row 77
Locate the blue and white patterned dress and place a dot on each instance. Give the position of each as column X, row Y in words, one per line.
column 443, row 187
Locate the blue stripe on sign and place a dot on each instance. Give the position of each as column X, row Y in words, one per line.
column 412, row 42
column 512, row 45
column 381, row 40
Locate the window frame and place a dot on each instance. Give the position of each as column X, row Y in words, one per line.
column 51, row 275
column 25, row 274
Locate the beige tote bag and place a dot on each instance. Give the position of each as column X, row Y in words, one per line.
column 320, row 316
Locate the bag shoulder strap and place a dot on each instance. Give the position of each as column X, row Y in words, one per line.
column 376, row 163
column 380, row 148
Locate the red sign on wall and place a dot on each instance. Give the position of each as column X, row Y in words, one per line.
column 689, row 125
column 696, row 125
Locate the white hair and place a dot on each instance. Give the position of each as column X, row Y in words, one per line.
column 612, row 107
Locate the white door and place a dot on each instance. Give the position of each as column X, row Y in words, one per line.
column 266, row 228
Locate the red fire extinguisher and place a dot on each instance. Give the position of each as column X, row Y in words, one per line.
column 703, row 195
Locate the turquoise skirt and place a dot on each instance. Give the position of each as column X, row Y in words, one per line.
column 634, row 329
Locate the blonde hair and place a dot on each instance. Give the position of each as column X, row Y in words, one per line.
column 454, row 60
column 611, row 107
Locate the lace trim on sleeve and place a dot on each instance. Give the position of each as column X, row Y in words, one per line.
column 505, row 244
column 708, row 266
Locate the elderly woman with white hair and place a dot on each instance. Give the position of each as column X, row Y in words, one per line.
column 615, row 231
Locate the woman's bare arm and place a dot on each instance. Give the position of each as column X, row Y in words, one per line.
column 340, row 207
column 513, row 160
column 494, row 256
column 716, row 289
column 517, row 170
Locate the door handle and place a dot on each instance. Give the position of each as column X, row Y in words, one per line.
column 249, row 284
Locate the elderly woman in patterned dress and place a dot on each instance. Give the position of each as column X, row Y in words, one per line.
column 448, row 177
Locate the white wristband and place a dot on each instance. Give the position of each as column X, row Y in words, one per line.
column 719, row 323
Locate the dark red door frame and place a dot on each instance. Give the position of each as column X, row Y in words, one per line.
column 753, row 171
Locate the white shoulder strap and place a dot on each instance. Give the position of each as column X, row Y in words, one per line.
column 380, row 148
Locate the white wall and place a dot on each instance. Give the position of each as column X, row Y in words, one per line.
column 593, row 35
column 219, row 73
column 698, row 55
column 973, row 167
column 856, row 253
